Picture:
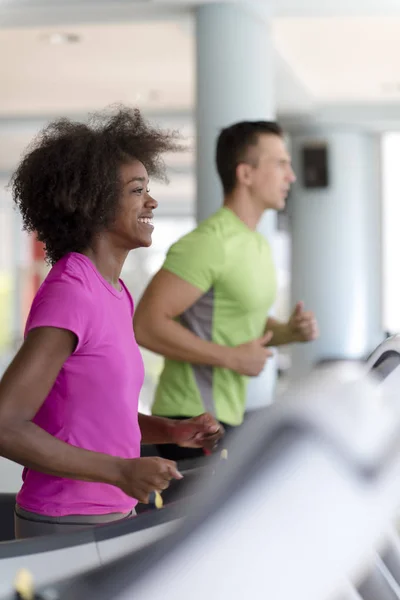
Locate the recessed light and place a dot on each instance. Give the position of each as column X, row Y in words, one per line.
column 60, row 38
column 154, row 95
column 391, row 87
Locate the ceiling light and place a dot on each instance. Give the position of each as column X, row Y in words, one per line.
column 60, row 38
column 154, row 95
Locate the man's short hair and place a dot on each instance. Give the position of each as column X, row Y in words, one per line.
column 233, row 145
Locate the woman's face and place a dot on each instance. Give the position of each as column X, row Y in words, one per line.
column 134, row 221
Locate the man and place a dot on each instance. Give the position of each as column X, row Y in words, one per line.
column 206, row 310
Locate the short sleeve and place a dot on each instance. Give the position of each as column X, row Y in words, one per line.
column 64, row 304
column 197, row 258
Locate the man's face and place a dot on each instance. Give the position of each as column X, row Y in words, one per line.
column 270, row 174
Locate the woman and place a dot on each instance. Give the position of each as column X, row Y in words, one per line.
column 69, row 399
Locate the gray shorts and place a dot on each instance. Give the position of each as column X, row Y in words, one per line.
column 28, row 524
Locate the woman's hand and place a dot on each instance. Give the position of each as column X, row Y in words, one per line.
column 141, row 476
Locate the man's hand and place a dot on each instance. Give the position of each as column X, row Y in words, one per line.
column 302, row 325
column 200, row 432
column 141, row 476
column 250, row 358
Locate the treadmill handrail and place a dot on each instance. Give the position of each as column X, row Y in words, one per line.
column 100, row 532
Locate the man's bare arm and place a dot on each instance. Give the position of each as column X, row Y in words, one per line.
column 157, row 329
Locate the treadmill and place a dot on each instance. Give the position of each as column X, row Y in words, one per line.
column 303, row 509
column 51, row 557
column 384, row 361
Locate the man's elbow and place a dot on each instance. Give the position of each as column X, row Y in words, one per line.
column 145, row 331
column 140, row 332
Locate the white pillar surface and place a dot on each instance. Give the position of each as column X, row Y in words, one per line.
column 235, row 82
column 336, row 248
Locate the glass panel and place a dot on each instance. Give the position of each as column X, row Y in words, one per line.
column 139, row 268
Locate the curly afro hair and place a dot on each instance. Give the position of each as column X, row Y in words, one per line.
column 67, row 186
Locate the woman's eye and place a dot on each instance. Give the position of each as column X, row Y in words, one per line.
column 139, row 191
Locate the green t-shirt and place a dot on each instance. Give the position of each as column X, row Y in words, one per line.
column 233, row 267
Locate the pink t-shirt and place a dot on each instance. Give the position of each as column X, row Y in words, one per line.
column 93, row 403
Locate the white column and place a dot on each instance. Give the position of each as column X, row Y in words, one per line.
column 336, row 247
column 235, row 82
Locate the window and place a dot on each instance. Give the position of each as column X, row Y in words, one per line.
column 391, row 231
column 140, row 266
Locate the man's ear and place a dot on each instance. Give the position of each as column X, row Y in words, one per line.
column 243, row 173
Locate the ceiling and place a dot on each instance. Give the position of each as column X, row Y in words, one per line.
column 118, row 63
column 49, row 11
column 338, row 58
column 150, row 62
